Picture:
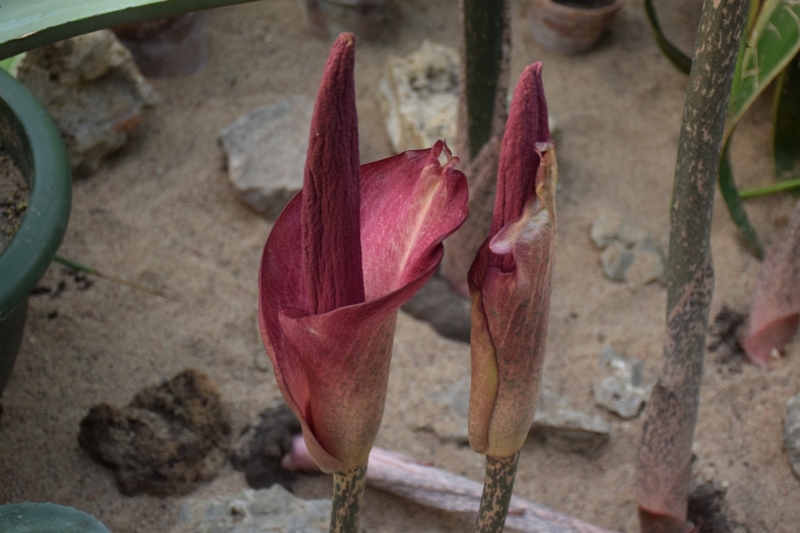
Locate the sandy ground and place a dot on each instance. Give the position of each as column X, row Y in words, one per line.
column 163, row 214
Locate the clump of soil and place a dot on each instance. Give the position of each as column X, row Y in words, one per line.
column 170, row 438
column 725, row 332
column 708, row 510
column 14, row 197
column 261, row 448
column 585, row 4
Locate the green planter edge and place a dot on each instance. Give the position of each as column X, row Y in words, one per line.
column 47, row 518
column 32, row 140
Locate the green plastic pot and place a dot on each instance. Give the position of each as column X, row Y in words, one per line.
column 46, row 518
column 32, row 140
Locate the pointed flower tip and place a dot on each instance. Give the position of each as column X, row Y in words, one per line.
column 331, row 188
column 345, row 39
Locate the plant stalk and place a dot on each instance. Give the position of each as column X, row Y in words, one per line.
column 665, row 455
column 348, row 491
column 497, row 489
column 482, row 113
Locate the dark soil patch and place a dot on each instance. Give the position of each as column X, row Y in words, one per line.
column 261, row 448
column 708, row 510
column 724, row 334
column 585, row 4
column 14, row 197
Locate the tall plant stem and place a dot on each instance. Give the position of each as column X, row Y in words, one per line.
column 497, row 489
column 485, row 56
column 348, row 491
column 665, row 456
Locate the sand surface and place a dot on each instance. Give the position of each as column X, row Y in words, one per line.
column 162, row 213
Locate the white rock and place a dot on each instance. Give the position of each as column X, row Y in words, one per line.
column 624, row 392
column 94, row 91
column 255, row 511
column 419, row 97
column 267, row 153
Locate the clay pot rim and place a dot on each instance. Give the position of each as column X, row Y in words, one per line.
column 555, row 6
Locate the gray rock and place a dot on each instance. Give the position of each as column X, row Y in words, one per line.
column 266, row 151
column 559, row 426
column 628, row 254
column 624, row 392
column 418, row 96
column 571, row 431
column 93, row 90
column 446, row 311
column 791, row 433
column 255, row 511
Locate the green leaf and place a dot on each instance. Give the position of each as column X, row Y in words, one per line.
column 783, row 186
column 10, row 64
column 29, row 24
column 681, row 61
column 771, row 45
column 734, row 203
column 786, row 121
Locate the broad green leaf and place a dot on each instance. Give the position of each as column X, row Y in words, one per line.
column 771, row 45
column 28, row 24
column 10, row 64
column 681, row 61
column 734, row 203
column 46, row 518
column 786, row 121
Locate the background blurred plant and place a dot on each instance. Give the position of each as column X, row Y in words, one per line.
column 768, row 52
column 664, row 471
column 485, row 54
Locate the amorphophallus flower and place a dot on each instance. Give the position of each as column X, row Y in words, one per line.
column 344, row 255
column 509, row 281
column 775, row 312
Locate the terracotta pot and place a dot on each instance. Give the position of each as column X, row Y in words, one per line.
column 565, row 28
column 329, row 18
column 32, row 141
column 173, row 46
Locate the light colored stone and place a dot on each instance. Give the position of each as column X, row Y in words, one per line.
column 624, row 392
column 255, row 511
column 418, row 97
column 266, row 151
column 93, row 90
column 791, row 433
column 562, row 428
column 628, row 253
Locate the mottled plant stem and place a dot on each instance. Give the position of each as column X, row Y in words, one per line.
column 497, row 489
column 348, row 491
column 665, row 456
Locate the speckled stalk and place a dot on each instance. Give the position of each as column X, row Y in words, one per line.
column 665, row 456
column 497, row 489
column 348, row 491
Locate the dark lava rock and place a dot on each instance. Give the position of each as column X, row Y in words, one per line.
column 171, row 437
column 724, row 334
column 261, row 448
column 708, row 509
